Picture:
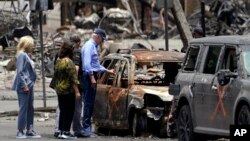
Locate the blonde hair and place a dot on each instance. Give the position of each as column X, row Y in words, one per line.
column 25, row 43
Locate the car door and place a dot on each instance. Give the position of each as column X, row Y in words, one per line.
column 118, row 96
column 186, row 78
column 105, row 83
column 225, row 96
column 203, row 92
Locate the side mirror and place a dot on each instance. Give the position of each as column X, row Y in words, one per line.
column 224, row 76
column 174, row 89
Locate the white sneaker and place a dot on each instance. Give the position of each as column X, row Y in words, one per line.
column 21, row 135
column 33, row 135
column 66, row 135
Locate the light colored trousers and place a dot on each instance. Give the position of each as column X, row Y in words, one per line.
column 26, row 109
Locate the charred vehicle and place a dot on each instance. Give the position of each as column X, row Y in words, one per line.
column 136, row 97
column 212, row 88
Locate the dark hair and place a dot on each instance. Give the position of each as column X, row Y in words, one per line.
column 75, row 38
column 66, row 49
column 198, row 30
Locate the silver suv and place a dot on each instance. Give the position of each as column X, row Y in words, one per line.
column 212, row 89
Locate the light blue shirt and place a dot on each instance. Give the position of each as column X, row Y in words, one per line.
column 90, row 58
column 25, row 72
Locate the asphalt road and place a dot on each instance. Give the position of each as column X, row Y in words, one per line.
column 8, row 124
column 8, row 131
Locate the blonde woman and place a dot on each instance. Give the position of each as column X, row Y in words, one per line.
column 23, row 85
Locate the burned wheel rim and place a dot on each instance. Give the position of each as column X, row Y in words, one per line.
column 185, row 124
column 244, row 116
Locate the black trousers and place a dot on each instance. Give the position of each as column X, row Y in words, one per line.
column 67, row 106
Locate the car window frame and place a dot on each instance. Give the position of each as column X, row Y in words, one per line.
column 103, row 77
column 197, row 63
column 204, row 58
column 224, row 53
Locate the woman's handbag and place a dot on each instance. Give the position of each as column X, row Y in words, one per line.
column 52, row 83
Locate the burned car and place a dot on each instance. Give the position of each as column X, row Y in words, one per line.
column 212, row 87
column 138, row 93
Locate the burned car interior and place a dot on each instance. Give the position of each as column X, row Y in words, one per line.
column 149, row 73
column 155, row 73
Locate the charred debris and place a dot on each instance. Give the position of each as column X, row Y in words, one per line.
column 122, row 19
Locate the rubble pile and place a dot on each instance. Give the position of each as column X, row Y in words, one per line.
column 10, row 20
column 224, row 17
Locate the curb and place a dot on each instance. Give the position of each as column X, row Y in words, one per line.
column 38, row 109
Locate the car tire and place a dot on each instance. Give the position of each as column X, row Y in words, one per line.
column 136, row 125
column 243, row 117
column 185, row 128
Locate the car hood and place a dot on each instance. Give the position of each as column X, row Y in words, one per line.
column 160, row 91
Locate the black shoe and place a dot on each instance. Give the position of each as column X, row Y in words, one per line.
column 79, row 134
column 67, row 135
column 56, row 134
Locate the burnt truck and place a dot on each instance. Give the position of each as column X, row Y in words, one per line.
column 136, row 98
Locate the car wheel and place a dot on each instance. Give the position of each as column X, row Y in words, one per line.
column 244, row 116
column 185, row 124
column 136, row 127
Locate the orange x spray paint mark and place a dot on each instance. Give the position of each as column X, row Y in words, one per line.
column 221, row 90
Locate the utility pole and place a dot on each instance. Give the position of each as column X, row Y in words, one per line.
column 42, row 54
column 40, row 6
column 166, row 23
column 203, row 17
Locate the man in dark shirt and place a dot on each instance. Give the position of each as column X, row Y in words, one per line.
column 77, row 126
